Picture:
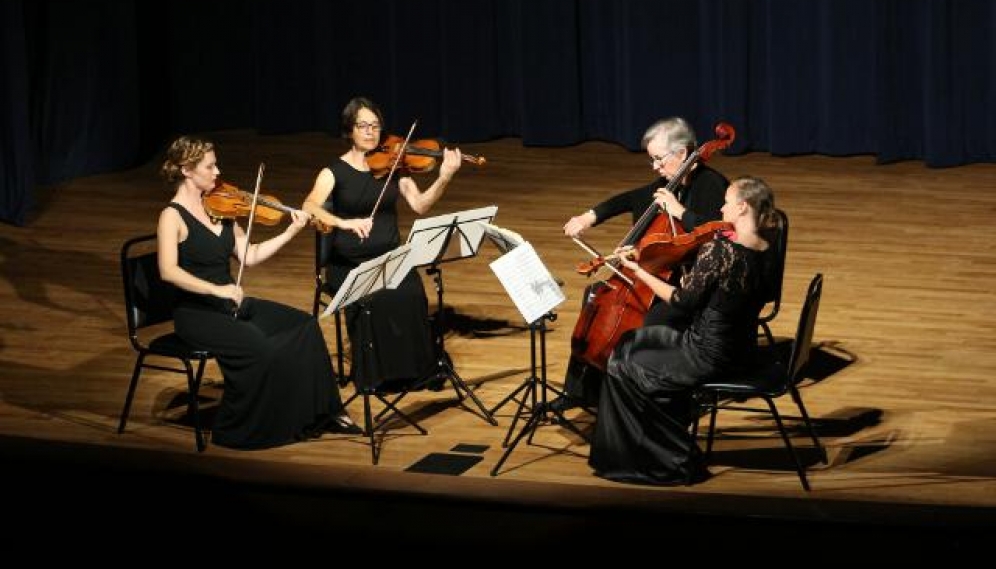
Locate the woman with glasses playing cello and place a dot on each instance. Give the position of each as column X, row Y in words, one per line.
column 697, row 200
column 389, row 334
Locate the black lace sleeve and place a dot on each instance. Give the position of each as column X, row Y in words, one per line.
column 699, row 283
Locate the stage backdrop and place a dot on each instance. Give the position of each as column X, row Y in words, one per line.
column 93, row 86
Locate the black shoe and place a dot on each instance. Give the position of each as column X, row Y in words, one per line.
column 314, row 429
column 343, row 425
column 565, row 403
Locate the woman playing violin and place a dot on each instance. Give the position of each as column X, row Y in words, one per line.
column 644, row 412
column 668, row 143
column 389, row 334
column 278, row 377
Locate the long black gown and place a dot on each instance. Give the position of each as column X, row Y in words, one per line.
column 278, row 375
column 389, row 331
column 644, row 412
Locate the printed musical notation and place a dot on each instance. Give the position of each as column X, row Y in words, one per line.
column 528, row 282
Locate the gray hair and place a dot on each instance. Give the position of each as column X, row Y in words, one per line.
column 676, row 131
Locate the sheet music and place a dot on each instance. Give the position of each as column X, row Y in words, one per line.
column 359, row 282
column 504, row 239
column 428, row 235
column 397, row 264
column 527, row 282
column 385, row 271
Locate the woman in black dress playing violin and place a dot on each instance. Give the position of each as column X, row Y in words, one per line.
column 645, row 407
column 279, row 385
column 389, row 330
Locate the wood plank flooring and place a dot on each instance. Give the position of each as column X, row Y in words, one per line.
column 903, row 386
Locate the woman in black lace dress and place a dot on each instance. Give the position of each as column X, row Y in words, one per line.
column 389, row 330
column 279, row 385
column 645, row 409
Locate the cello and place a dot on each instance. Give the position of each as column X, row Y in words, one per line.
column 618, row 304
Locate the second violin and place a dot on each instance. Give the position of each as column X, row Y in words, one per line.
column 418, row 157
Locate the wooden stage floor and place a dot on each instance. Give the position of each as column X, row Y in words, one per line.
column 902, row 386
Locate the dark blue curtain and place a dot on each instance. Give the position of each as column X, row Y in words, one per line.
column 98, row 85
column 17, row 175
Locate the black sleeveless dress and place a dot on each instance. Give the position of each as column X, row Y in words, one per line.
column 278, row 375
column 389, row 331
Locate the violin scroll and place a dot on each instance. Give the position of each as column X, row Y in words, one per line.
column 598, row 262
column 589, row 267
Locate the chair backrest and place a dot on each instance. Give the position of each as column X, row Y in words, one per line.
column 804, row 334
column 780, row 249
column 323, row 251
column 148, row 298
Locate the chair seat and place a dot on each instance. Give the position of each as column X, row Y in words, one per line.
column 768, row 380
column 172, row 345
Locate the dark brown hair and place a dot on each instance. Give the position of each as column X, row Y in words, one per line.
column 352, row 109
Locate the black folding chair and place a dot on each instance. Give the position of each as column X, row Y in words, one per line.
column 769, row 382
column 148, row 302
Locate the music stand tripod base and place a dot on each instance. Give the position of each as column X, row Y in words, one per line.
column 535, row 386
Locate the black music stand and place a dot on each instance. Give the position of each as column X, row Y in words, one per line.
column 535, row 293
column 535, row 386
column 386, row 271
column 430, row 240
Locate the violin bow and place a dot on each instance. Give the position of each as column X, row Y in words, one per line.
column 596, row 255
column 252, row 216
column 394, row 167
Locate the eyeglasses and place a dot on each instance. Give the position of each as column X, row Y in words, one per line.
column 655, row 160
column 374, row 126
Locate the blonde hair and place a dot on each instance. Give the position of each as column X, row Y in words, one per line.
column 761, row 199
column 184, row 152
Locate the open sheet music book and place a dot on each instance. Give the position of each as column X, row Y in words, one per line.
column 431, row 238
column 527, row 282
column 504, row 239
column 386, row 271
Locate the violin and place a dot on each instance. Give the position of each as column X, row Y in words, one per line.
column 658, row 250
column 226, row 201
column 417, row 157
